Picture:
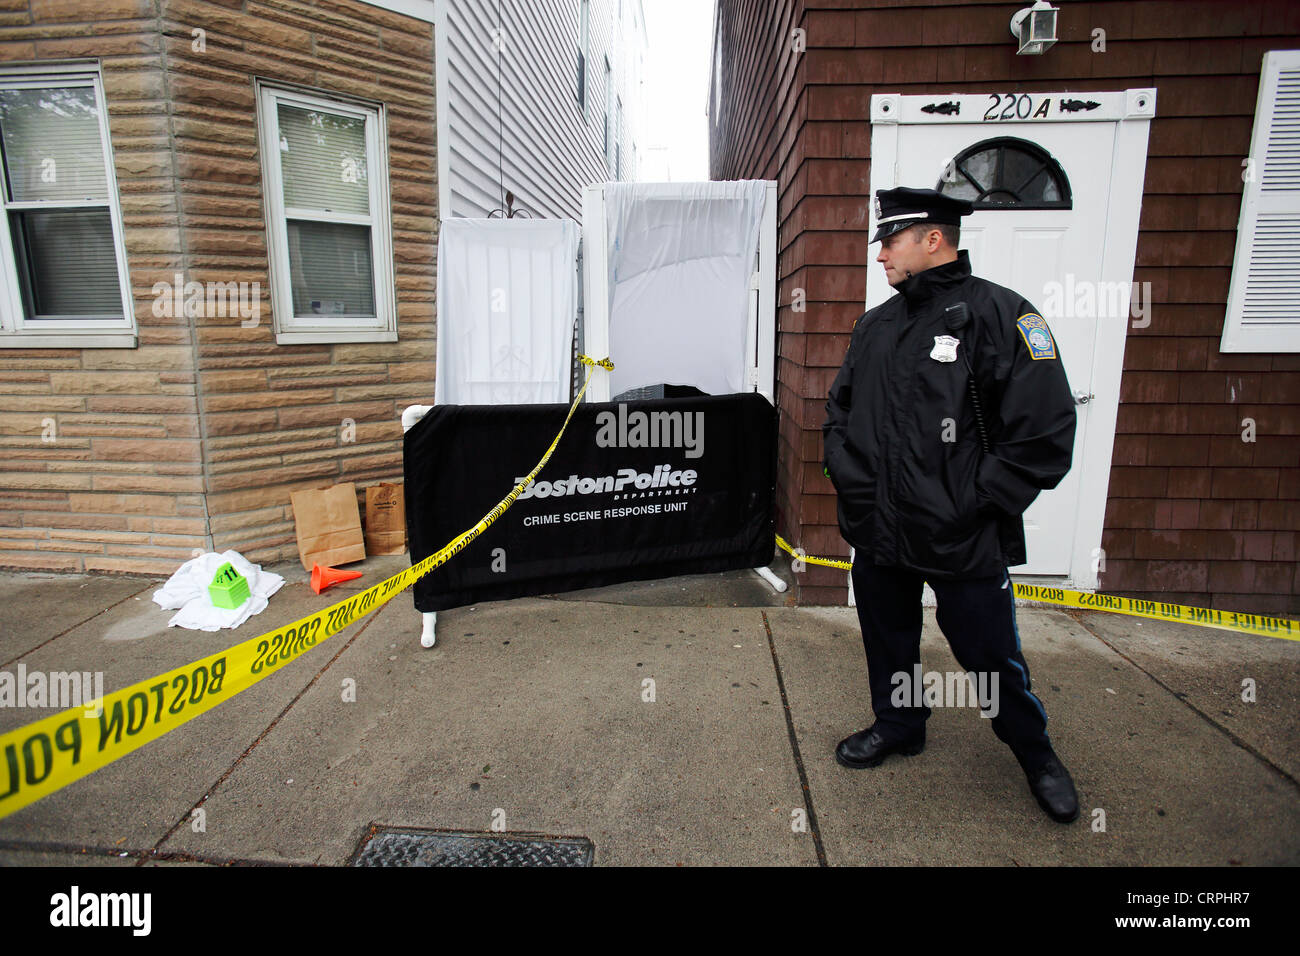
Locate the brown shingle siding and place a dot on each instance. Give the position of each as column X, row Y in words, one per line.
column 830, row 28
column 1178, row 580
column 1286, row 546
column 1196, row 18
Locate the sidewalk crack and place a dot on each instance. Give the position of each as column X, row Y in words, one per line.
column 813, row 828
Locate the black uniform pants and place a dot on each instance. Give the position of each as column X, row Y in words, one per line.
column 978, row 617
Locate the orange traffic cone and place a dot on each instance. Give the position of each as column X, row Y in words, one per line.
column 322, row 578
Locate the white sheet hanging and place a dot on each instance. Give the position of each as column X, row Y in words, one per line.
column 679, row 283
column 507, row 301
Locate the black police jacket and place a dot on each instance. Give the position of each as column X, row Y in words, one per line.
column 901, row 438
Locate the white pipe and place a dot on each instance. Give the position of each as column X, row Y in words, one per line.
column 413, row 414
column 777, row 584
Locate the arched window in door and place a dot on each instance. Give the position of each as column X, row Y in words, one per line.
column 1007, row 173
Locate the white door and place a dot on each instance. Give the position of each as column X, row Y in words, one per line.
column 1052, row 192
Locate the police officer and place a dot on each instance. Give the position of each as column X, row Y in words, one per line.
column 949, row 415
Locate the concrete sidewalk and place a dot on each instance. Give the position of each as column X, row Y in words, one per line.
column 534, row 713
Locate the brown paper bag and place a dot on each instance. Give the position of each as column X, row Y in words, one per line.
column 328, row 525
column 385, row 519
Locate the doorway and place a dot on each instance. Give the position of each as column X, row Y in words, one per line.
column 1056, row 179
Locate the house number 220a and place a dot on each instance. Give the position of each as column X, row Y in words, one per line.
column 1015, row 106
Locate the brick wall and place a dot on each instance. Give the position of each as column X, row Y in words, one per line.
column 1194, row 514
column 198, row 437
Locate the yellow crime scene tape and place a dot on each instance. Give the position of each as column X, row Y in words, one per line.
column 1278, row 627
column 798, row 554
column 45, row 756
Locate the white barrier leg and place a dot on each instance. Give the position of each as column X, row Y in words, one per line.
column 411, row 415
column 777, row 584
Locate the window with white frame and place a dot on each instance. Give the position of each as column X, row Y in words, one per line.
column 325, row 189
column 64, row 264
column 1263, row 312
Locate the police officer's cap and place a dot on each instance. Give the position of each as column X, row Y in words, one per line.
column 899, row 208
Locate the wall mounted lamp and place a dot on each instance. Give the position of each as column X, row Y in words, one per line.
column 1035, row 28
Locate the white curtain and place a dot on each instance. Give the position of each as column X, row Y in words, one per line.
column 507, row 301
column 679, row 282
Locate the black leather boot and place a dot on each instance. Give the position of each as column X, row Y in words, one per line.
column 867, row 748
column 1054, row 790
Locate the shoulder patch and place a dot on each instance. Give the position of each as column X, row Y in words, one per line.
column 1037, row 336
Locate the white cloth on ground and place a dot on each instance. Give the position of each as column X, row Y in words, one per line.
column 187, row 589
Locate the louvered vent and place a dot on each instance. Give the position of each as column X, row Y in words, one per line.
column 1263, row 313
column 1273, row 283
column 1282, row 160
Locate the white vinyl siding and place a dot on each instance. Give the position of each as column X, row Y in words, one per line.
column 325, row 187
column 1264, row 296
column 63, row 261
column 534, row 138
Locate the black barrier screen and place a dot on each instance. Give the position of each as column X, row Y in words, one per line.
column 635, row 490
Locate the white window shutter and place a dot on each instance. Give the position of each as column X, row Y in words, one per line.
column 1264, row 295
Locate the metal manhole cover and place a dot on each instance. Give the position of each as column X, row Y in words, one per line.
column 397, row 846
